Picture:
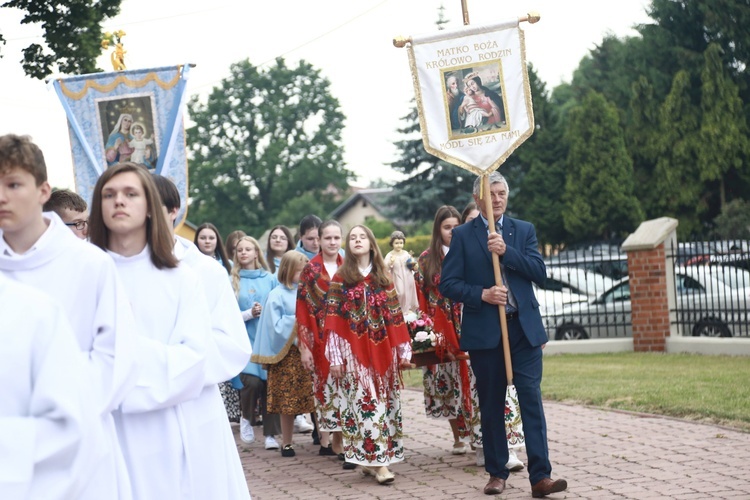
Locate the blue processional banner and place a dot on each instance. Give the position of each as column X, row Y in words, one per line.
column 133, row 115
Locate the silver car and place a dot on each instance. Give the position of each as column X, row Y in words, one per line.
column 577, row 280
column 711, row 301
column 569, row 285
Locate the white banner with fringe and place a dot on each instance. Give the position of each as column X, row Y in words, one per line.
column 472, row 91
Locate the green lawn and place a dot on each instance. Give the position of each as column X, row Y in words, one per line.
column 712, row 389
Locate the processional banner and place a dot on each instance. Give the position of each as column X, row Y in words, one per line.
column 133, row 115
column 472, row 91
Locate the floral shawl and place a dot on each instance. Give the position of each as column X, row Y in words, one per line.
column 444, row 312
column 311, row 311
column 368, row 327
column 446, row 315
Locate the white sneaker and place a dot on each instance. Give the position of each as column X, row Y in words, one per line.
column 514, row 464
column 480, row 457
column 459, row 448
column 271, row 443
column 246, row 431
column 301, row 425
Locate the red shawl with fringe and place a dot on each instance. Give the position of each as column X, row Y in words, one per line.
column 367, row 321
column 445, row 313
column 446, row 316
column 310, row 314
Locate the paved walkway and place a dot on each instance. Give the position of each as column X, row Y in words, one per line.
column 602, row 454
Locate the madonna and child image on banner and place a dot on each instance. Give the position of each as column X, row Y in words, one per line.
column 128, row 130
column 474, row 100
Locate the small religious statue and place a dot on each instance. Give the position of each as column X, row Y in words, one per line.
column 400, row 264
column 118, row 55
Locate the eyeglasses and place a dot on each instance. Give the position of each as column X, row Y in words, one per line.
column 79, row 224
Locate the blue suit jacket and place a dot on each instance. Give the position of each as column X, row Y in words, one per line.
column 467, row 270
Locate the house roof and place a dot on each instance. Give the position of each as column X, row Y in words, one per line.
column 377, row 197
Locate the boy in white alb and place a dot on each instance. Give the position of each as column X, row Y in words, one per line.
column 38, row 250
column 156, row 424
column 42, row 417
column 216, row 463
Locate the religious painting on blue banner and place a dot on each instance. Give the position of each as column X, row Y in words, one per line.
column 128, row 130
column 131, row 115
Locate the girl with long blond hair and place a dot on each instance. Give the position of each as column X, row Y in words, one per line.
column 289, row 384
column 252, row 282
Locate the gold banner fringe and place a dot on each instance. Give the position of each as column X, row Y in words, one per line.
column 457, row 161
column 150, row 77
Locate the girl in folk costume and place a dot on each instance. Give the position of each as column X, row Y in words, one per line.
column 275, row 345
column 367, row 344
column 311, row 310
column 513, row 428
column 172, row 316
column 280, row 241
column 252, row 282
column 397, row 262
column 447, row 386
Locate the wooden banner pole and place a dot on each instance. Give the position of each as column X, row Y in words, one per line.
column 498, row 278
column 465, row 10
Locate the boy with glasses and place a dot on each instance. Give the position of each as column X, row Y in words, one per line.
column 72, row 209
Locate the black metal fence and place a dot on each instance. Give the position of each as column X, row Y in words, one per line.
column 712, row 284
column 585, row 295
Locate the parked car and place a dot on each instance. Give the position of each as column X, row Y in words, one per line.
column 553, row 301
column 577, row 280
column 568, row 285
column 734, row 253
column 607, row 261
column 711, row 301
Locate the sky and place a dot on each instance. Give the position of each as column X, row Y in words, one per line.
column 350, row 42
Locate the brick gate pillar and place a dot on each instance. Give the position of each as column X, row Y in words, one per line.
column 651, row 273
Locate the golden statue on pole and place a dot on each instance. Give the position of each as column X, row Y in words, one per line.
column 118, row 54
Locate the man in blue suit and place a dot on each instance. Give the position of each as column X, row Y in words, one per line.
column 468, row 277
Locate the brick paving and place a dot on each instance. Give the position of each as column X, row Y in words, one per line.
column 602, row 454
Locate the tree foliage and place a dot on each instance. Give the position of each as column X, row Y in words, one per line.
column 431, row 182
column 723, row 127
column 642, row 137
column 734, row 221
column 692, row 25
column 541, row 159
column 599, row 193
column 682, row 93
column 676, row 181
column 265, row 148
column 72, row 34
